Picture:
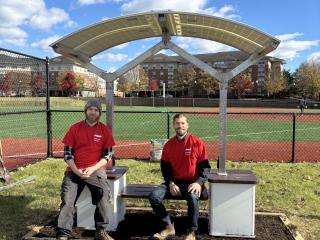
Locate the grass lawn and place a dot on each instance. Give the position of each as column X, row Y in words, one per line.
column 289, row 188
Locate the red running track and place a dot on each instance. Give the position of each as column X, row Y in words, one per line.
column 19, row 152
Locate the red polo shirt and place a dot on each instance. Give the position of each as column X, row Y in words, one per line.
column 183, row 156
column 88, row 143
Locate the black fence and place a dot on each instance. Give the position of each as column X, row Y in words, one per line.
column 24, row 108
column 32, row 124
column 213, row 102
column 271, row 137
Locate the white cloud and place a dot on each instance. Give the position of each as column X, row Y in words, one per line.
column 16, row 42
column 105, row 18
column 14, row 12
column 183, row 45
column 224, row 12
column 111, row 69
column 43, row 44
column 198, row 6
column 12, row 33
column 196, row 45
column 111, row 57
column 314, row 57
column 45, row 19
column 70, row 24
column 290, row 48
column 90, row 2
column 289, row 36
column 121, row 46
column 33, row 13
column 13, row 36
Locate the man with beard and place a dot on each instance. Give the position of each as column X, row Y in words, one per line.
column 183, row 161
column 87, row 149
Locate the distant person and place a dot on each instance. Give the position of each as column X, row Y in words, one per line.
column 183, row 162
column 87, row 149
column 302, row 104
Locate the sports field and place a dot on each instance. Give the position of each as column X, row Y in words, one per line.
column 252, row 134
column 249, row 125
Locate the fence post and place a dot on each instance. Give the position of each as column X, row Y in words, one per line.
column 293, row 137
column 168, row 125
column 48, row 112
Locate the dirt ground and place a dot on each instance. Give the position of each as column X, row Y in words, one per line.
column 143, row 224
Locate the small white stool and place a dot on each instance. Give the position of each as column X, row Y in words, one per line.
column 115, row 206
column 232, row 204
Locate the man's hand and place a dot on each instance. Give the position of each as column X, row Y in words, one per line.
column 195, row 188
column 88, row 171
column 174, row 189
column 80, row 173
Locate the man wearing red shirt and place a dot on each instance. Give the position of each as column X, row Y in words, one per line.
column 183, row 162
column 87, row 149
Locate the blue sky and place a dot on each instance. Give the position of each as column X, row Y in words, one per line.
column 29, row 26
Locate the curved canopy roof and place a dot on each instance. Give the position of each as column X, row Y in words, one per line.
column 101, row 36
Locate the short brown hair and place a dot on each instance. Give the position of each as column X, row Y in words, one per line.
column 179, row 115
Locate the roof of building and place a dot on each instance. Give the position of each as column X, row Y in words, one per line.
column 62, row 60
column 208, row 57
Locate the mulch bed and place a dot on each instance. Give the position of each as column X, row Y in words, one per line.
column 142, row 224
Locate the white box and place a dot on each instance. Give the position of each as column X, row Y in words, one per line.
column 232, row 207
column 115, row 207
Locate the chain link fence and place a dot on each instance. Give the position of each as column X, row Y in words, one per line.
column 258, row 137
column 30, row 130
column 23, row 108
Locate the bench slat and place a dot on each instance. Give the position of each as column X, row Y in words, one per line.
column 143, row 191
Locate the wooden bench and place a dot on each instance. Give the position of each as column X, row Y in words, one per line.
column 143, row 191
column 231, row 203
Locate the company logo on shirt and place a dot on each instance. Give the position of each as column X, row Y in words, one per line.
column 97, row 138
column 187, row 151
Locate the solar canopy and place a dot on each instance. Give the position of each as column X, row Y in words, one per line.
column 101, row 36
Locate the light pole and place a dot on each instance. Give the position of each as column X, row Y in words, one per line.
column 19, row 87
column 153, row 98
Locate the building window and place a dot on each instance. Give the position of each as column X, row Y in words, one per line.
column 145, row 67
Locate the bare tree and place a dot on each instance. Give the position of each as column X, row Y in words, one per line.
column 133, row 75
column 37, row 84
column 17, row 81
column 135, row 79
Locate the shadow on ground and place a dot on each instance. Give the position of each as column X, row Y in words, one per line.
column 143, row 224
